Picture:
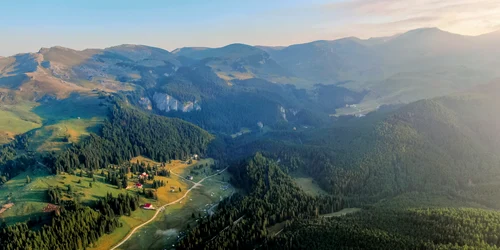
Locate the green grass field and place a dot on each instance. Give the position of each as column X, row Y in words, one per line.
column 30, row 199
column 342, row 212
column 164, row 230
column 83, row 106
column 17, row 119
column 60, row 135
column 53, row 120
column 307, row 184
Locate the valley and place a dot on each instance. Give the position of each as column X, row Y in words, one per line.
column 353, row 142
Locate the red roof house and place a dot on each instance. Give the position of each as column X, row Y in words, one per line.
column 148, row 206
column 138, row 185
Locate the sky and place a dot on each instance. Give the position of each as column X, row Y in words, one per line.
column 28, row 25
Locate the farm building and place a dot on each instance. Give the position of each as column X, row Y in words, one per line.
column 148, row 206
column 138, row 185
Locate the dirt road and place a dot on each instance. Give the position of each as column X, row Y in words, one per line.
column 160, row 209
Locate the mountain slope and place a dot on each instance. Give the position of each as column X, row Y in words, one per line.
column 328, row 61
column 448, row 144
column 238, row 61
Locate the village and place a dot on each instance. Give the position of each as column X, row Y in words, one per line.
column 194, row 189
column 174, row 190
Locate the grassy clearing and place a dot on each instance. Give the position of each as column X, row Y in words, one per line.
column 342, row 212
column 242, row 132
column 156, row 234
column 67, row 121
column 17, row 119
column 60, row 135
column 53, row 120
column 176, row 218
column 427, row 200
column 83, row 106
column 129, row 222
column 308, row 184
column 141, row 159
column 277, row 228
column 198, row 169
column 28, row 199
column 140, row 216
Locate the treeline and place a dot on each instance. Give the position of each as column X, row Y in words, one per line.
column 118, row 206
column 12, row 163
column 377, row 228
column 242, row 222
column 131, row 133
column 73, row 227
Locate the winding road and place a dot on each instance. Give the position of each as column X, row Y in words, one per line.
column 196, row 184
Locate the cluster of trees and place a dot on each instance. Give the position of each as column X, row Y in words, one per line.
column 164, row 172
column 116, row 178
column 158, row 184
column 72, row 227
column 150, row 193
column 12, row 163
column 55, row 194
column 242, row 222
column 131, row 133
column 118, row 206
column 377, row 228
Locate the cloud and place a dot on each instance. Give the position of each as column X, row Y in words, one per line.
column 384, row 17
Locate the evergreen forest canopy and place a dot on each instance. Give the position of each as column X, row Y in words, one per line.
column 131, row 133
column 446, row 147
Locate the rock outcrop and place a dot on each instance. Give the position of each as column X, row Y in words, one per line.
column 167, row 103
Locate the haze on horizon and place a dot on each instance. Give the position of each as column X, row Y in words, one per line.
column 29, row 25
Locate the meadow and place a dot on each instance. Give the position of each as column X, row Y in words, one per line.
column 176, row 218
column 17, row 119
column 307, row 184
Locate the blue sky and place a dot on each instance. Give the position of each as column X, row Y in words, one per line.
column 27, row 25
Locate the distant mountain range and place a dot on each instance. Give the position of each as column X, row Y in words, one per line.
column 418, row 64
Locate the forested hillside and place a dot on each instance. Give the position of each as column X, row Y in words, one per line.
column 131, row 133
column 436, row 228
column 243, row 222
column 449, row 144
column 227, row 109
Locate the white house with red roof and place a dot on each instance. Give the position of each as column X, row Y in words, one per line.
column 148, row 206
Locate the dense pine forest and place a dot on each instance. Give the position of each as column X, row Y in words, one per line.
column 378, row 228
column 243, row 222
column 443, row 147
column 449, row 144
column 73, row 226
column 131, row 133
